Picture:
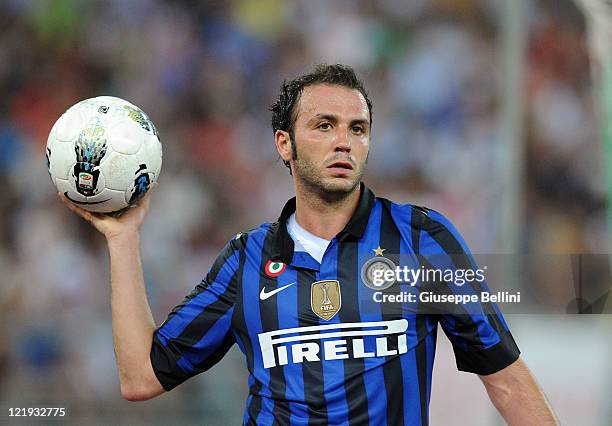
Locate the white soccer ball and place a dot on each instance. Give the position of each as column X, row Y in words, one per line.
column 103, row 154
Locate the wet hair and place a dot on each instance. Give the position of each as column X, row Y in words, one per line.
column 284, row 110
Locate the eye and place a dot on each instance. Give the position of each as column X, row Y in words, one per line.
column 324, row 126
column 358, row 129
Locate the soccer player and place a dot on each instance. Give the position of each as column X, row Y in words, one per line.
column 291, row 294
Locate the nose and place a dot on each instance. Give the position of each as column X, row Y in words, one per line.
column 343, row 140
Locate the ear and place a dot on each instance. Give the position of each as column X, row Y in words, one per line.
column 283, row 144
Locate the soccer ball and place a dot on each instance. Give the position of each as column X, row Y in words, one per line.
column 103, row 154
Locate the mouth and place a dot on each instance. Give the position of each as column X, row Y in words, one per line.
column 341, row 165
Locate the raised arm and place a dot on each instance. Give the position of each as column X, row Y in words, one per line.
column 132, row 321
column 517, row 396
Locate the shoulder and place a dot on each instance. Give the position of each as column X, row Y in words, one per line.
column 419, row 217
column 432, row 223
column 235, row 248
column 239, row 240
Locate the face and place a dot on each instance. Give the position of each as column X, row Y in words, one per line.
column 331, row 140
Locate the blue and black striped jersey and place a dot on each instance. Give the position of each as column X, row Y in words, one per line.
column 318, row 350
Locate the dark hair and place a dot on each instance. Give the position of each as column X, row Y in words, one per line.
column 284, row 109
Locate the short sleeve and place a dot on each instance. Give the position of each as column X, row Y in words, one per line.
column 197, row 333
column 480, row 336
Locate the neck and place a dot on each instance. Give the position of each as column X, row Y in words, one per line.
column 324, row 217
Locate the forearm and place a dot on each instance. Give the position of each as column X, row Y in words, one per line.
column 517, row 396
column 133, row 323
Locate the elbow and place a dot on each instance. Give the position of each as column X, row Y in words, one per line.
column 140, row 384
column 501, row 396
column 501, row 390
column 134, row 393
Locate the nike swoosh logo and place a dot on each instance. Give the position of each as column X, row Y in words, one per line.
column 263, row 295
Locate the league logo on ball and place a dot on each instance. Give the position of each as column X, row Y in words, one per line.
column 90, row 148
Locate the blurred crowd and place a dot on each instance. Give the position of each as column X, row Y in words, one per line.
column 206, row 72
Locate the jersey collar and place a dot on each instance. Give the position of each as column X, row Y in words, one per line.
column 283, row 247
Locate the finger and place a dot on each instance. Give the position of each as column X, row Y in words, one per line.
column 146, row 199
column 70, row 204
column 87, row 215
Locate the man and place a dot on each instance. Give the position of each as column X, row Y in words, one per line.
column 289, row 293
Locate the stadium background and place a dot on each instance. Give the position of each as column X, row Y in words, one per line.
column 205, row 72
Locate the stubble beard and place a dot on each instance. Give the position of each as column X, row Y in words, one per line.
column 328, row 189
